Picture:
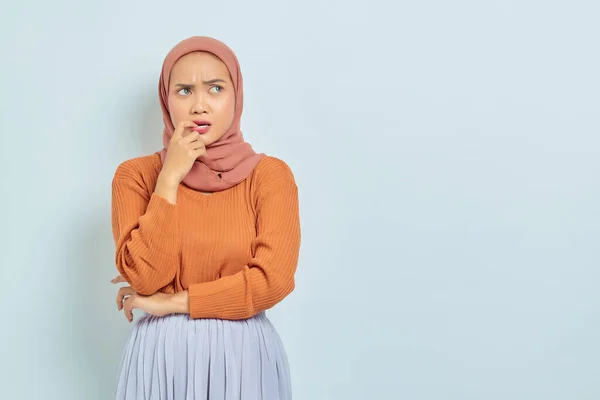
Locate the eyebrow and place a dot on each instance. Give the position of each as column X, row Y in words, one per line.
column 209, row 82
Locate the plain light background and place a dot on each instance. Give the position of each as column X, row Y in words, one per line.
column 448, row 159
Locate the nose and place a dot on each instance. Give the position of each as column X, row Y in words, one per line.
column 199, row 105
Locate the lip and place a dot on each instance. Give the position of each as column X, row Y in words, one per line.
column 204, row 129
column 201, row 122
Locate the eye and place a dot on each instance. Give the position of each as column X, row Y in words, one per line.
column 216, row 88
column 187, row 91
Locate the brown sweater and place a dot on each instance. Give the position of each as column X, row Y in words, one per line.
column 235, row 251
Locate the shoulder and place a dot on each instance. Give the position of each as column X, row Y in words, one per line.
column 273, row 171
column 273, row 183
column 143, row 169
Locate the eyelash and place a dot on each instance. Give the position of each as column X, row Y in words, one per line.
column 213, row 86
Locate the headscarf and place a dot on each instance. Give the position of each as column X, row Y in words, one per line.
column 230, row 159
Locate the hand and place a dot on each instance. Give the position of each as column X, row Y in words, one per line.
column 158, row 304
column 185, row 147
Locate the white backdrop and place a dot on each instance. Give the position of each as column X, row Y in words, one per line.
column 448, row 159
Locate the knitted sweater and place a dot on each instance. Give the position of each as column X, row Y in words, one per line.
column 235, row 251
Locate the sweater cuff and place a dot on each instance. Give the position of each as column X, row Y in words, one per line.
column 212, row 299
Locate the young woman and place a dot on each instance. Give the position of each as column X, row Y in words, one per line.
column 207, row 237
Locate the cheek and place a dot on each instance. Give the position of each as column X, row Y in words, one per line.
column 175, row 110
column 228, row 110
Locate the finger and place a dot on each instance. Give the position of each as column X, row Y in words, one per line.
column 122, row 293
column 198, row 144
column 191, row 137
column 199, row 153
column 183, row 125
column 118, row 279
column 128, row 306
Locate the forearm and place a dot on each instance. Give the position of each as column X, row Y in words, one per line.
column 143, row 276
column 147, row 247
column 242, row 295
column 179, row 303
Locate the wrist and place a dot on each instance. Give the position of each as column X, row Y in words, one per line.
column 166, row 187
column 180, row 302
column 167, row 181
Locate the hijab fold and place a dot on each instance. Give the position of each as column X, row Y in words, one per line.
column 230, row 159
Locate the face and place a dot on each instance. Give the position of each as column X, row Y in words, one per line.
column 200, row 89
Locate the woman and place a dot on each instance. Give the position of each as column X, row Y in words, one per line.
column 207, row 236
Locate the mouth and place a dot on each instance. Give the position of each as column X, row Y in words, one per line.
column 203, row 126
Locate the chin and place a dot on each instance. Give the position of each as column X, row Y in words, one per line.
column 210, row 138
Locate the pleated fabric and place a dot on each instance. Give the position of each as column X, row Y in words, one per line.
column 176, row 357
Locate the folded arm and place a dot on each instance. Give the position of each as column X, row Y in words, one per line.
column 269, row 276
column 145, row 233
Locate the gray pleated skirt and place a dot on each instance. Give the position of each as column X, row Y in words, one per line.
column 176, row 357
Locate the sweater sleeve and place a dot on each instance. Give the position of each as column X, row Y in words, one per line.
column 145, row 233
column 269, row 276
